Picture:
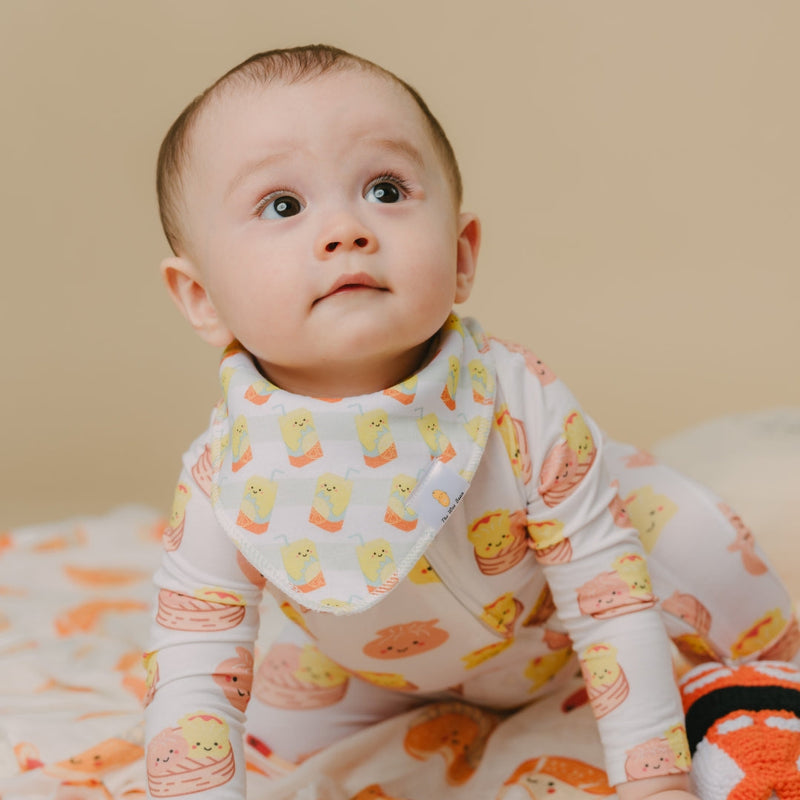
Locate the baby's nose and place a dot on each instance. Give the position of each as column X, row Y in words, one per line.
column 346, row 233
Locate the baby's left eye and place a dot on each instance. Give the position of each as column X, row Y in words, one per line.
column 383, row 191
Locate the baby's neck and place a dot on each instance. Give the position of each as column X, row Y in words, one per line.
column 348, row 378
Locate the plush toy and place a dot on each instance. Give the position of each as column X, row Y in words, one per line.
column 743, row 725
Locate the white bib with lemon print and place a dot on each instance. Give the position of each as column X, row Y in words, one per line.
column 334, row 501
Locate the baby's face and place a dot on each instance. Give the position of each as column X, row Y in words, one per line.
column 322, row 222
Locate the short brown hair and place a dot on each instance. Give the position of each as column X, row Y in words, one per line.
column 289, row 65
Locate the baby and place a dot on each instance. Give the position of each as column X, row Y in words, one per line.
column 429, row 506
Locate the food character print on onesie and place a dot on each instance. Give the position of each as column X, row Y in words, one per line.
column 567, row 462
column 193, row 756
column 606, row 683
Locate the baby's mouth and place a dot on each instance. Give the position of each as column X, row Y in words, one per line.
column 351, row 283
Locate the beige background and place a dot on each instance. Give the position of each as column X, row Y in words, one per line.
column 635, row 164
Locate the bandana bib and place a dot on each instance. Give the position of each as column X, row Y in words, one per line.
column 334, row 501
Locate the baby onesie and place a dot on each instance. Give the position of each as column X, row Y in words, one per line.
column 467, row 533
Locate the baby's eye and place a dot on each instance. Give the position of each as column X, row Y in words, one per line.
column 280, row 207
column 384, row 191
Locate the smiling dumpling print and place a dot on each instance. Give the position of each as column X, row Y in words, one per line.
column 192, row 757
column 406, row 639
column 499, row 539
column 235, row 677
column 606, row 682
column 567, row 462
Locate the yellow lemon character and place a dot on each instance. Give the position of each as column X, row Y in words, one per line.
column 377, row 563
column 435, row 438
column 240, row 441
column 649, row 513
column 300, row 437
column 376, row 437
column 303, row 565
column 397, row 514
column 331, row 498
column 257, row 503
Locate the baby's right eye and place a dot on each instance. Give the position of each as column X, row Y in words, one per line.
column 279, row 206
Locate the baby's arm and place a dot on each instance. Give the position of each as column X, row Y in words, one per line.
column 200, row 662
column 594, row 564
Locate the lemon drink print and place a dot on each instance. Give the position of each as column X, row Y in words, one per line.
column 404, row 392
column 482, row 383
column 331, row 498
column 376, row 438
column 377, row 564
column 300, row 437
column 302, row 565
column 257, row 503
column 435, row 438
column 241, row 452
column 259, row 392
column 397, row 514
column 449, row 392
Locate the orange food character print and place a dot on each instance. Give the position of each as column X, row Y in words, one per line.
column 241, row 452
column 556, row 778
column 423, row 572
column 99, row 760
column 455, row 731
column 377, row 442
column 771, row 629
column 88, row 617
column 606, row 683
column 300, row 437
column 406, row 639
column 533, row 364
column 499, row 539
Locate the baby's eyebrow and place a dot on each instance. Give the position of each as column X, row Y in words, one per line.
column 400, row 146
column 256, row 165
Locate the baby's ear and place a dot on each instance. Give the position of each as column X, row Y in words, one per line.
column 469, row 244
column 190, row 296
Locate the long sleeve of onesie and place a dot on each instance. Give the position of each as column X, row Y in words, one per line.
column 595, row 566
column 201, row 661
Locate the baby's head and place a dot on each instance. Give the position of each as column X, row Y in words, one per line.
column 312, row 203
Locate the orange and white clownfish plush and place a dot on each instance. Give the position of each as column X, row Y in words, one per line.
column 743, row 725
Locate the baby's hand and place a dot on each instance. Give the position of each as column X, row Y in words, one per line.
column 670, row 787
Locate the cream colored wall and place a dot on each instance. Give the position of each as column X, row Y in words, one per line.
column 635, row 165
